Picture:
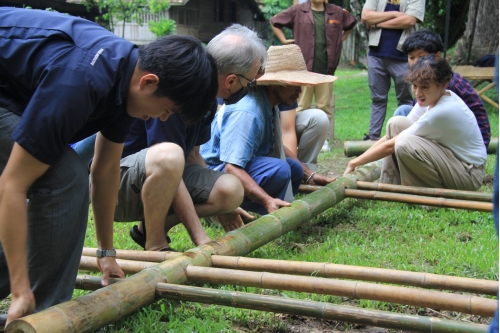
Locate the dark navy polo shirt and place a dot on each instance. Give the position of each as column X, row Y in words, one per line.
column 145, row 133
column 67, row 77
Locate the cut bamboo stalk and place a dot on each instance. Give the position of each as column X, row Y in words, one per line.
column 423, row 191
column 153, row 256
column 328, row 270
column 316, row 309
column 426, row 191
column 356, row 148
column 415, row 199
column 351, row 289
column 127, row 266
column 300, row 307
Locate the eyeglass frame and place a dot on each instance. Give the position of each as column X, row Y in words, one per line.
column 250, row 84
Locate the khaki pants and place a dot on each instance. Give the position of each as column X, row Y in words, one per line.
column 421, row 162
column 322, row 94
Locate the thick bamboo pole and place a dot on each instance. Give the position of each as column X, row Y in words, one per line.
column 351, row 289
column 302, row 307
column 356, row 148
column 408, row 198
column 416, row 279
column 117, row 301
column 426, row 191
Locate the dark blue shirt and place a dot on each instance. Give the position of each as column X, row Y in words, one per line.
column 67, row 77
column 145, row 133
column 389, row 40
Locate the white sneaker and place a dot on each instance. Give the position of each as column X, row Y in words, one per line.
column 326, row 146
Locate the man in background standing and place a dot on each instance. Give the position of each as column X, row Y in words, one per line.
column 390, row 23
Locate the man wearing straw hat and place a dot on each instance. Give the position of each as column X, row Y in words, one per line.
column 246, row 136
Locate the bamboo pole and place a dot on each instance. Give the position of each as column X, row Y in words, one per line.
column 426, row 191
column 423, row 191
column 327, row 270
column 117, row 301
column 153, row 256
column 300, row 307
column 127, row 266
column 408, row 198
column 351, row 289
column 356, row 148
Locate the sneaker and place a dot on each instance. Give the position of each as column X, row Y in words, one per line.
column 366, row 137
column 326, row 146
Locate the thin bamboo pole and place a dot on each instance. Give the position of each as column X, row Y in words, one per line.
column 117, row 301
column 127, row 266
column 351, row 289
column 426, row 191
column 423, row 191
column 302, row 307
column 408, row 198
column 356, row 148
column 327, row 270
column 153, row 256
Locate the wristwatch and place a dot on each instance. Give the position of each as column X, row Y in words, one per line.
column 105, row 253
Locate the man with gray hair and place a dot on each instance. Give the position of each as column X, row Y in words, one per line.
column 239, row 54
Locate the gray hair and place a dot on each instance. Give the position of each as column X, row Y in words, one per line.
column 236, row 49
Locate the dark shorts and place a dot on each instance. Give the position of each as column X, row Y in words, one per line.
column 199, row 182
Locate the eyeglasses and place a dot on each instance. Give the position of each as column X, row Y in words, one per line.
column 251, row 83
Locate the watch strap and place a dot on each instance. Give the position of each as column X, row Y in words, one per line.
column 105, row 253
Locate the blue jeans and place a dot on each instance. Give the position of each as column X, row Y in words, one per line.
column 272, row 175
column 85, row 149
column 403, row 110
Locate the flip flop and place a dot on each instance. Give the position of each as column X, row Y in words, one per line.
column 140, row 238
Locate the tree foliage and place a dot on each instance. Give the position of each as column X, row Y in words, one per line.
column 132, row 10
column 273, row 7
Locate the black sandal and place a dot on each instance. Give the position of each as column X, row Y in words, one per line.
column 140, row 238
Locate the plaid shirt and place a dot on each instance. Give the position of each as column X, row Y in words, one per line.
column 460, row 86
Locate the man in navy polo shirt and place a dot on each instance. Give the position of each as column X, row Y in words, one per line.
column 62, row 79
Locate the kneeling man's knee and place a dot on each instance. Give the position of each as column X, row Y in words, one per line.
column 165, row 157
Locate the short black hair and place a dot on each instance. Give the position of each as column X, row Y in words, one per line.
column 187, row 73
column 425, row 40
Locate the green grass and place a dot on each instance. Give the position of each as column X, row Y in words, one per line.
column 354, row 232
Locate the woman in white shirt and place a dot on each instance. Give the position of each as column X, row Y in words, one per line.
column 439, row 144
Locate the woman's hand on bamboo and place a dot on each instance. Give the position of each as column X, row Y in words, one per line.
column 109, row 269
column 351, row 166
column 20, row 306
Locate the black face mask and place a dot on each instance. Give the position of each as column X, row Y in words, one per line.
column 234, row 98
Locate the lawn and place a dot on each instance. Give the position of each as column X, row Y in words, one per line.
column 354, row 232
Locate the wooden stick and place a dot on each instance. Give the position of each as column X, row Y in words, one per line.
column 301, row 307
column 407, row 198
column 351, row 289
column 328, row 270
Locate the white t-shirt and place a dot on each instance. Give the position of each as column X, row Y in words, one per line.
column 451, row 124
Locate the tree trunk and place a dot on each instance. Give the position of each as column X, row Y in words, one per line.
column 481, row 34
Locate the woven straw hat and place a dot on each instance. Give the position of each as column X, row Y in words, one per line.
column 286, row 66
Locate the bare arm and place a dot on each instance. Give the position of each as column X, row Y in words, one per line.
column 376, row 152
column 281, row 36
column 253, row 191
column 21, row 171
column 105, row 180
column 402, row 22
column 194, row 157
column 372, row 17
column 346, row 34
column 287, row 119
